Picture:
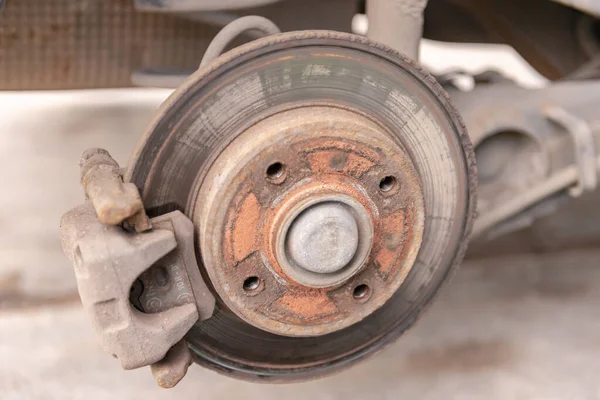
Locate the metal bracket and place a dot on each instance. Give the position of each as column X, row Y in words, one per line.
column 585, row 147
column 108, row 260
column 142, row 287
column 545, row 114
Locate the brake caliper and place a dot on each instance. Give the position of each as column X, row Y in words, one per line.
column 137, row 277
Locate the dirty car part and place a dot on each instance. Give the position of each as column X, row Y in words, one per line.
column 397, row 23
column 535, row 149
column 287, row 170
column 328, row 183
column 114, row 200
column 110, row 262
column 171, row 369
column 107, row 262
column 311, row 96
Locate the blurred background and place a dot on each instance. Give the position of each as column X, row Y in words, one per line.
column 510, row 327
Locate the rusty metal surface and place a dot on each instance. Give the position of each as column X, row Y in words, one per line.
column 327, row 154
column 270, row 75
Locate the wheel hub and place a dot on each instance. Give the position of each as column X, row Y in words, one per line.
column 295, row 203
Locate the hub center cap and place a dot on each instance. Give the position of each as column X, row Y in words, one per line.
column 323, row 238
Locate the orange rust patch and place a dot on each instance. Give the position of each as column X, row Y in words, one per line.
column 243, row 237
column 340, row 161
column 393, row 237
column 312, row 306
column 326, row 155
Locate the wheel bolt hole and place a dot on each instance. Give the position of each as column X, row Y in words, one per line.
column 275, row 171
column 251, row 284
column 387, row 183
column 361, row 292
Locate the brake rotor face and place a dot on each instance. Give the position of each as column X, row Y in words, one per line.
column 303, row 178
column 332, row 116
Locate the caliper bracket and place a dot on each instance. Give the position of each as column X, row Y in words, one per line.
column 143, row 290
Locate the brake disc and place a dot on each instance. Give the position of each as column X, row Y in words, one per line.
column 332, row 188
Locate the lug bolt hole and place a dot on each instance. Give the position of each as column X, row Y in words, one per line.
column 276, row 172
column 388, row 183
column 362, row 292
column 252, row 285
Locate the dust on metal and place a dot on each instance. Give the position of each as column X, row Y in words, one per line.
column 114, row 200
column 209, row 112
column 326, row 156
column 549, row 162
column 323, row 238
column 171, row 369
column 143, row 291
column 107, row 261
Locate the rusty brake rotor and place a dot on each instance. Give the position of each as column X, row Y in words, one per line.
column 332, row 187
column 310, row 220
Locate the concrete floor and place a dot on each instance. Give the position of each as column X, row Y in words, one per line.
column 524, row 327
column 521, row 327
